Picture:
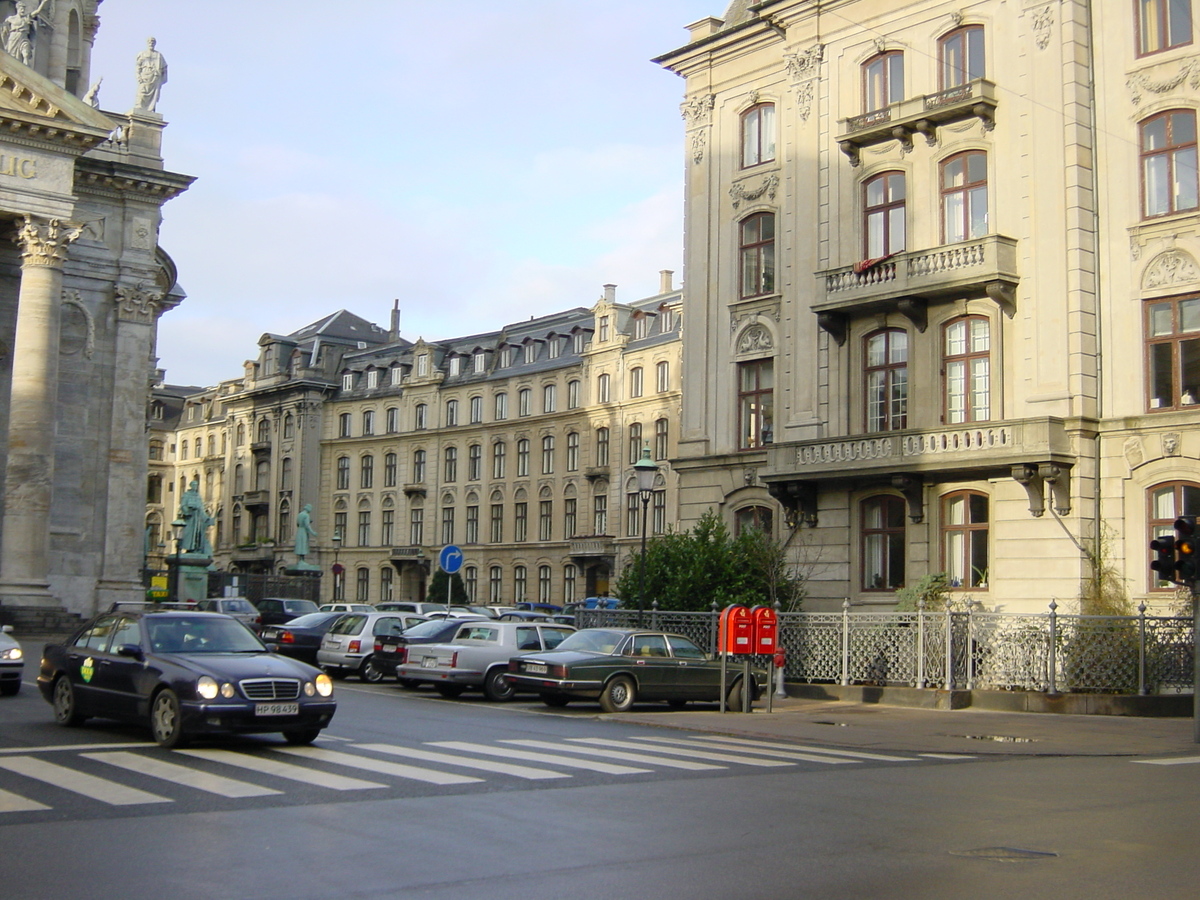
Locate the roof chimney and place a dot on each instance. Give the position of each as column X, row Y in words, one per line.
column 610, row 293
column 394, row 333
column 664, row 281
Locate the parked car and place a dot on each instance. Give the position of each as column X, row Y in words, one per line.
column 277, row 610
column 392, row 649
column 421, row 609
column 477, row 656
column 618, row 666
column 238, row 607
column 347, row 607
column 183, row 674
column 525, row 615
column 486, row 611
column 548, row 609
column 12, row 663
column 348, row 644
column 301, row 637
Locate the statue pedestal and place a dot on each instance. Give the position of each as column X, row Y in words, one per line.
column 304, row 570
column 188, row 577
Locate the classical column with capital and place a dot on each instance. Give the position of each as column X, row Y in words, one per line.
column 29, row 474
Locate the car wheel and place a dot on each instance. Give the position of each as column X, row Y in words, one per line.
column 302, row 737
column 166, row 719
column 556, row 701
column 66, row 709
column 618, row 695
column 8, row 688
column 449, row 690
column 677, row 704
column 497, row 688
column 733, row 698
column 368, row 673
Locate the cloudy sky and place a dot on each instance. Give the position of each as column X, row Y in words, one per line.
column 482, row 161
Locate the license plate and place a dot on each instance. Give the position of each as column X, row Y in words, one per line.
column 429, row 662
column 277, row 709
column 535, row 668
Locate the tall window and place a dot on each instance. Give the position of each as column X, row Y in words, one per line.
column 602, row 442
column 603, row 388
column 635, row 442
column 472, row 535
column 1167, row 503
column 964, row 197
column 549, row 398
column 602, row 336
column 883, row 80
column 451, row 412
column 495, row 584
column 635, row 382
column 662, row 377
column 1163, row 24
column 530, row 351
column 661, row 433
column 450, row 465
column 522, row 457
column 965, row 539
column 572, row 451
column 368, row 421
column 883, row 543
column 573, row 394
column 884, row 209
column 545, row 520
column 416, row 527
column 392, row 420
column 1168, row 151
column 961, row 56
column 967, row 362
column 570, row 517
column 887, row 380
column 544, row 584
column 520, row 521
column 386, row 590
column 641, row 326
column 418, row 467
column 758, row 134
column 569, row 575
column 501, row 407
column 447, row 524
column 476, row 410
column 480, row 361
column 343, row 426
column 366, row 471
column 756, row 403
column 524, row 402
column 658, row 514
column 498, row 459
column 364, row 529
column 758, row 255
column 421, row 417
column 387, row 527
column 471, row 582
column 262, row 476
column 1173, row 352
column 548, row 455
column 474, row 462
column 520, row 583
column 600, row 514
column 497, row 523
column 389, row 470
column 633, row 514
column 362, row 585
column 343, row 473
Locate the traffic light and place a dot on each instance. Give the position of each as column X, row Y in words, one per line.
column 1164, row 563
column 1186, row 569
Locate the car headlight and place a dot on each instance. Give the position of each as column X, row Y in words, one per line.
column 324, row 685
column 207, row 687
column 227, row 691
column 11, row 653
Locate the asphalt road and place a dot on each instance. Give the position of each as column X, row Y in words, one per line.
column 410, row 795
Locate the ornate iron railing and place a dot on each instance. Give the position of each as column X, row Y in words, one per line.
column 971, row 650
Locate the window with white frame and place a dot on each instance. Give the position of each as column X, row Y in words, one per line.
column 967, row 364
column 603, row 388
column 476, row 410
column 573, row 394
column 662, row 377
column 549, row 398
column 635, row 381
column 758, row 135
column 965, row 539
column 372, row 379
column 501, row 406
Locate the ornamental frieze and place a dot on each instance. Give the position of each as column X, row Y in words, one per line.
column 739, row 192
column 1141, row 83
column 1174, row 267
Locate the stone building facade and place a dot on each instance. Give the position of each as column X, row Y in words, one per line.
column 82, row 284
column 943, row 288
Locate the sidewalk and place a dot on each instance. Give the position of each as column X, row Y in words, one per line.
column 863, row 726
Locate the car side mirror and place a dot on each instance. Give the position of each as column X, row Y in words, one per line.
column 132, row 651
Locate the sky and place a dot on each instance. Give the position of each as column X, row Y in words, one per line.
column 482, row 162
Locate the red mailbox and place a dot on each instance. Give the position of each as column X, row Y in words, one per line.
column 736, row 633
column 766, row 629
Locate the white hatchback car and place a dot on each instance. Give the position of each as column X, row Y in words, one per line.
column 348, row 644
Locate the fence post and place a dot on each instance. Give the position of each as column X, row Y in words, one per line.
column 1142, row 649
column 949, row 649
column 970, row 646
column 845, row 642
column 1052, row 656
column 921, row 642
column 654, row 615
column 712, row 628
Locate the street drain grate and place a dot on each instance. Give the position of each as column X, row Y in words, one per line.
column 998, row 738
column 1004, row 854
column 823, row 722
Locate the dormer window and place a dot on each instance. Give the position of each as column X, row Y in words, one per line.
column 641, row 326
column 423, row 365
column 554, row 348
column 603, row 329
column 348, row 381
column 530, row 352
column 480, row 362
column 372, row 379
column 579, row 341
column 666, row 320
column 455, row 366
column 506, row 357
column 397, row 375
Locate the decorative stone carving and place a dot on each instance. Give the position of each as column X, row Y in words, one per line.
column 804, row 71
column 45, row 244
column 136, row 304
column 1135, row 454
column 1140, row 83
column 1135, row 248
column 750, row 476
column 1043, row 24
column 151, row 70
column 70, row 342
column 697, row 116
column 143, row 234
column 1170, row 443
column 755, row 339
column 740, row 192
column 1174, row 267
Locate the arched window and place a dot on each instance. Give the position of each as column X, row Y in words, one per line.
column 884, row 198
column 960, row 55
column 886, row 354
column 883, row 80
column 420, row 417
column 389, row 470
column 285, row 474
column 418, row 466
column 262, row 476
column 757, row 254
column 366, row 471
column 474, row 462
column 451, row 412
column 1168, row 153
column 495, row 584
column 753, row 518
column 520, row 583
column 603, row 388
column 756, row 403
column 499, row 451
column 264, row 431
column 967, row 364
column 1167, row 502
column 450, row 465
column 544, row 584
column 965, row 539
column 964, row 197
column 758, row 134
column 882, row 543
column 343, row 473
column 522, row 457
column 636, row 381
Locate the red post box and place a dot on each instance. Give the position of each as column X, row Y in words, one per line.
column 766, row 629
column 736, row 630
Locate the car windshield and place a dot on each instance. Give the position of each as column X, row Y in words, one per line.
column 299, row 607
column 312, row 620
column 349, row 623
column 432, row 628
column 201, row 634
column 237, row 606
column 594, row 640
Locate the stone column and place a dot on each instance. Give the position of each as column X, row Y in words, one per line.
column 29, row 473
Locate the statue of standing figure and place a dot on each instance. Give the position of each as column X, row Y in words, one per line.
column 17, row 31
column 197, row 521
column 304, row 531
column 151, row 76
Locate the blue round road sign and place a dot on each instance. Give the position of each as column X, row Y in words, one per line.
column 450, row 559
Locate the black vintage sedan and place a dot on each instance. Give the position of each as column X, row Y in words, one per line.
column 183, row 673
column 301, row 637
column 618, row 666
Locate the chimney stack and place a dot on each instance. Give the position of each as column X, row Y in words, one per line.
column 664, row 281
column 394, row 333
column 610, row 293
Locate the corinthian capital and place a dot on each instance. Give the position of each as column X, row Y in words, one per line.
column 136, row 304
column 45, row 243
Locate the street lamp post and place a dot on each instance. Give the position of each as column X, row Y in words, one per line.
column 177, row 528
column 337, row 567
column 647, row 472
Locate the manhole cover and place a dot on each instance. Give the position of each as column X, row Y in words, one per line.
column 1005, row 854
column 998, row 738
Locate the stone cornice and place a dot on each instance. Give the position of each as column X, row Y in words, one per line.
column 113, row 179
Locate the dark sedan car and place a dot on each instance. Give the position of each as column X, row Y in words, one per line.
column 183, row 673
column 301, row 637
column 391, row 650
column 620, row 665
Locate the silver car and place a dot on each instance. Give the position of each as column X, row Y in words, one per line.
column 12, row 662
column 238, row 607
column 477, row 656
column 348, row 644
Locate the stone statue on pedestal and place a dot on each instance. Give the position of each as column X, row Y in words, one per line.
column 198, row 521
column 151, row 76
column 17, row 31
column 304, row 531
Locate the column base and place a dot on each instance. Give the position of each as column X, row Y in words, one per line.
column 28, row 593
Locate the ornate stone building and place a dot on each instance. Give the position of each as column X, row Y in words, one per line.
column 82, row 283
column 943, row 294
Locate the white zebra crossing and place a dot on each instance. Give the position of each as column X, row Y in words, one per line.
column 762, row 750
column 177, row 774
column 554, row 759
column 853, row 754
column 10, row 802
column 268, row 766
column 381, row 766
column 101, row 789
column 688, row 752
column 646, row 758
column 526, row 772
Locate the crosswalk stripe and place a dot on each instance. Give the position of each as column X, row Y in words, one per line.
column 484, row 765
column 945, row 756
column 780, row 754
column 381, row 766
column 101, row 789
column 1178, row 761
column 182, row 775
column 695, row 754
column 550, row 758
column 615, row 754
column 283, row 770
column 853, row 754
column 17, row 803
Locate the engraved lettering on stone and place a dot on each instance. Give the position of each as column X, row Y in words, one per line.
column 1043, row 22
column 45, row 244
column 1171, row 268
column 739, row 192
column 1140, row 82
column 76, row 338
